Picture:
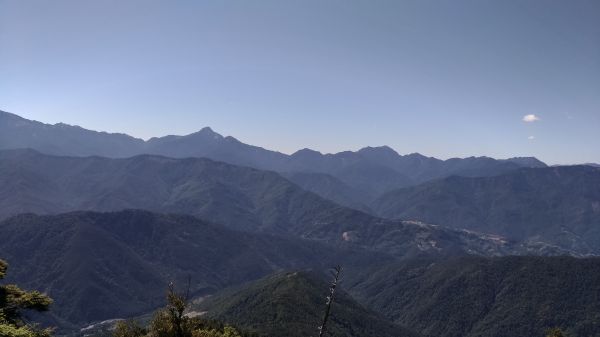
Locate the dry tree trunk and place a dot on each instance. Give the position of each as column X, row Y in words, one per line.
column 329, row 300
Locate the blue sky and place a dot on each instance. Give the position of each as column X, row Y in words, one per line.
column 443, row 78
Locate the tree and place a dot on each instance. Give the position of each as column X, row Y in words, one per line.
column 330, row 298
column 555, row 332
column 13, row 301
column 172, row 321
column 129, row 328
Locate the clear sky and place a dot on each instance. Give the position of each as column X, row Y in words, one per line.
column 443, row 78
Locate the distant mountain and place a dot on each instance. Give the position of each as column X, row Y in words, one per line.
column 593, row 165
column 99, row 266
column 486, row 297
column 559, row 205
column 530, row 162
column 292, row 304
column 241, row 198
column 62, row 139
column 66, row 140
column 371, row 170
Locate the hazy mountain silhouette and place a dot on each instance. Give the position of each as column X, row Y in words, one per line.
column 62, row 139
column 371, row 170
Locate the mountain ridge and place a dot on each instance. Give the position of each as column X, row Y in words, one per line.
column 239, row 197
column 371, row 171
column 208, row 130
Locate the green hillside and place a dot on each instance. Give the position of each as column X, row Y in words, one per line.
column 487, row 297
column 292, row 304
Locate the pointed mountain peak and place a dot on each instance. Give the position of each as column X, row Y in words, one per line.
column 207, row 129
column 207, row 132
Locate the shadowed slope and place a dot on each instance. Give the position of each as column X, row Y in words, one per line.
column 108, row 265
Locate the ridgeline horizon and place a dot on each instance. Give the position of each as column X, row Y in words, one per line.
column 208, row 131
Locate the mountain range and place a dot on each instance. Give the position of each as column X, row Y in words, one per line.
column 238, row 197
column 368, row 172
column 459, row 247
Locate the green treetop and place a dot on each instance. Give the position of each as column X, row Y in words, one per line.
column 13, row 301
column 173, row 322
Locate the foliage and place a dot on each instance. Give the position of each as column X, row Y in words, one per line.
column 172, row 321
column 129, row 328
column 555, row 332
column 13, row 301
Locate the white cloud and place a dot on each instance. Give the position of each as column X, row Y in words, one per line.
column 530, row 118
column 531, row 137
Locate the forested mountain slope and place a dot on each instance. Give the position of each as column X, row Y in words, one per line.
column 292, row 304
column 487, row 297
column 559, row 205
column 241, row 198
column 99, row 266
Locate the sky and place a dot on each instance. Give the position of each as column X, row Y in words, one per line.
column 443, row 78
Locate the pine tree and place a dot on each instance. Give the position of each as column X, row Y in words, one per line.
column 13, row 301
